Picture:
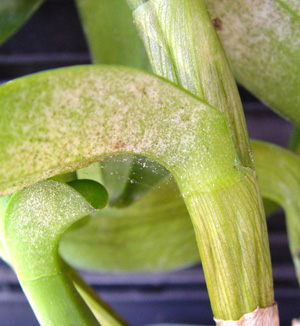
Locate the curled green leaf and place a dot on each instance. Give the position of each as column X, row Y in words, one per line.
column 62, row 120
column 34, row 222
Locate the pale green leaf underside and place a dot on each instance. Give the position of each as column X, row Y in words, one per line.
column 13, row 14
column 262, row 41
column 63, row 120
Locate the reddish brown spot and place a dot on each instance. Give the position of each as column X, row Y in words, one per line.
column 119, row 145
column 218, row 24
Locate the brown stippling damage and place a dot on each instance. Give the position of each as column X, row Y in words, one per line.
column 217, row 23
column 119, row 146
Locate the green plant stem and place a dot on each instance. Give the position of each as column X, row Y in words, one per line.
column 233, row 243
column 228, row 217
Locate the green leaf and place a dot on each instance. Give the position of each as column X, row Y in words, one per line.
column 93, row 192
column 261, row 39
column 111, row 34
column 279, row 178
column 91, row 172
column 294, row 141
column 13, row 14
column 270, row 207
column 65, row 177
column 104, row 313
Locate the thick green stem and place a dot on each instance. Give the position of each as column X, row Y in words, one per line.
column 233, row 243
column 228, row 217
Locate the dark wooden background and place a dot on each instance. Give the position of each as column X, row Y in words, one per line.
column 53, row 38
